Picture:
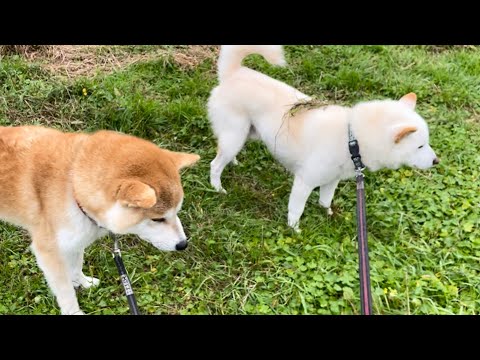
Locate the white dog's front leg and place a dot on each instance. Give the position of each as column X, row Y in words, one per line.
column 326, row 195
column 296, row 205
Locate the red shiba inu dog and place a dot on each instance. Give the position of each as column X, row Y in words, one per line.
column 69, row 189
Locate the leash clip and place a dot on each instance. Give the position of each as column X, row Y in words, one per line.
column 359, row 172
column 116, row 247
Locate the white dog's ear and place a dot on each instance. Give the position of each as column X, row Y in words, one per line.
column 401, row 131
column 410, row 100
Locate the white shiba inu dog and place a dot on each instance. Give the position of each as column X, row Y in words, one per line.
column 313, row 143
column 68, row 190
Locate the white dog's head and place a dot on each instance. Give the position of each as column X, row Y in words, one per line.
column 392, row 134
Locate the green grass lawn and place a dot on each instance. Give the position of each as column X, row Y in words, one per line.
column 424, row 236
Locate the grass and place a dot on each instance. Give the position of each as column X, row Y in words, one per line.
column 423, row 225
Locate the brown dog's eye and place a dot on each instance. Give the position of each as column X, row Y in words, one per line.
column 159, row 220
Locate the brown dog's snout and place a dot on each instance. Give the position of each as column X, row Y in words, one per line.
column 182, row 245
column 436, row 161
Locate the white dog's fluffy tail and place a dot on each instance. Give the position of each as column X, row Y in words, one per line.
column 231, row 57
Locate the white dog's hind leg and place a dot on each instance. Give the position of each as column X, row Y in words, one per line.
column 252, row 135
column 57, row 274
column 75, row 262
column 296, row 204
column 326, row 195
column 230, row 142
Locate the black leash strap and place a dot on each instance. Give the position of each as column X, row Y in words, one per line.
column 364, row 267
column 117, row 256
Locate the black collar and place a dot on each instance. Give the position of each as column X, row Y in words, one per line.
column 354, row 150
column 85, row 213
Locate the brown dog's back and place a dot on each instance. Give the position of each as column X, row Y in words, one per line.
column 32, row 180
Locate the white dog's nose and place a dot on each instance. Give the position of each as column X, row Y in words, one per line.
column 436, row 161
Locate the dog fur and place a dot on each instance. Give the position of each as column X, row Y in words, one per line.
column 312, row 144
column 69, row 189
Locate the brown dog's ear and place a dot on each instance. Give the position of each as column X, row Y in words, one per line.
column 183, row 160
column 402, row 132
column 133, row 193
column 410, row 100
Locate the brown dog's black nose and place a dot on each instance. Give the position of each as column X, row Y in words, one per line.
column 436, row 161
column 182, row 245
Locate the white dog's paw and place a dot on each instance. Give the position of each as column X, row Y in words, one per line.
column 217, row 185
column 234, row 161
column 329, row 211
column 86, row 282
column 73, row 312
column 295, row 226
column 220, row 189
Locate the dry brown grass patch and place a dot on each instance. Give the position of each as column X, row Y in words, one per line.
column 28, row 51
column 72, row 61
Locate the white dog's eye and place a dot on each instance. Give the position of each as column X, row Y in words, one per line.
column 420, row 146
column 159, row 220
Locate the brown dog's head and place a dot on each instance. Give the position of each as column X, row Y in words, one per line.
column 136, row 186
